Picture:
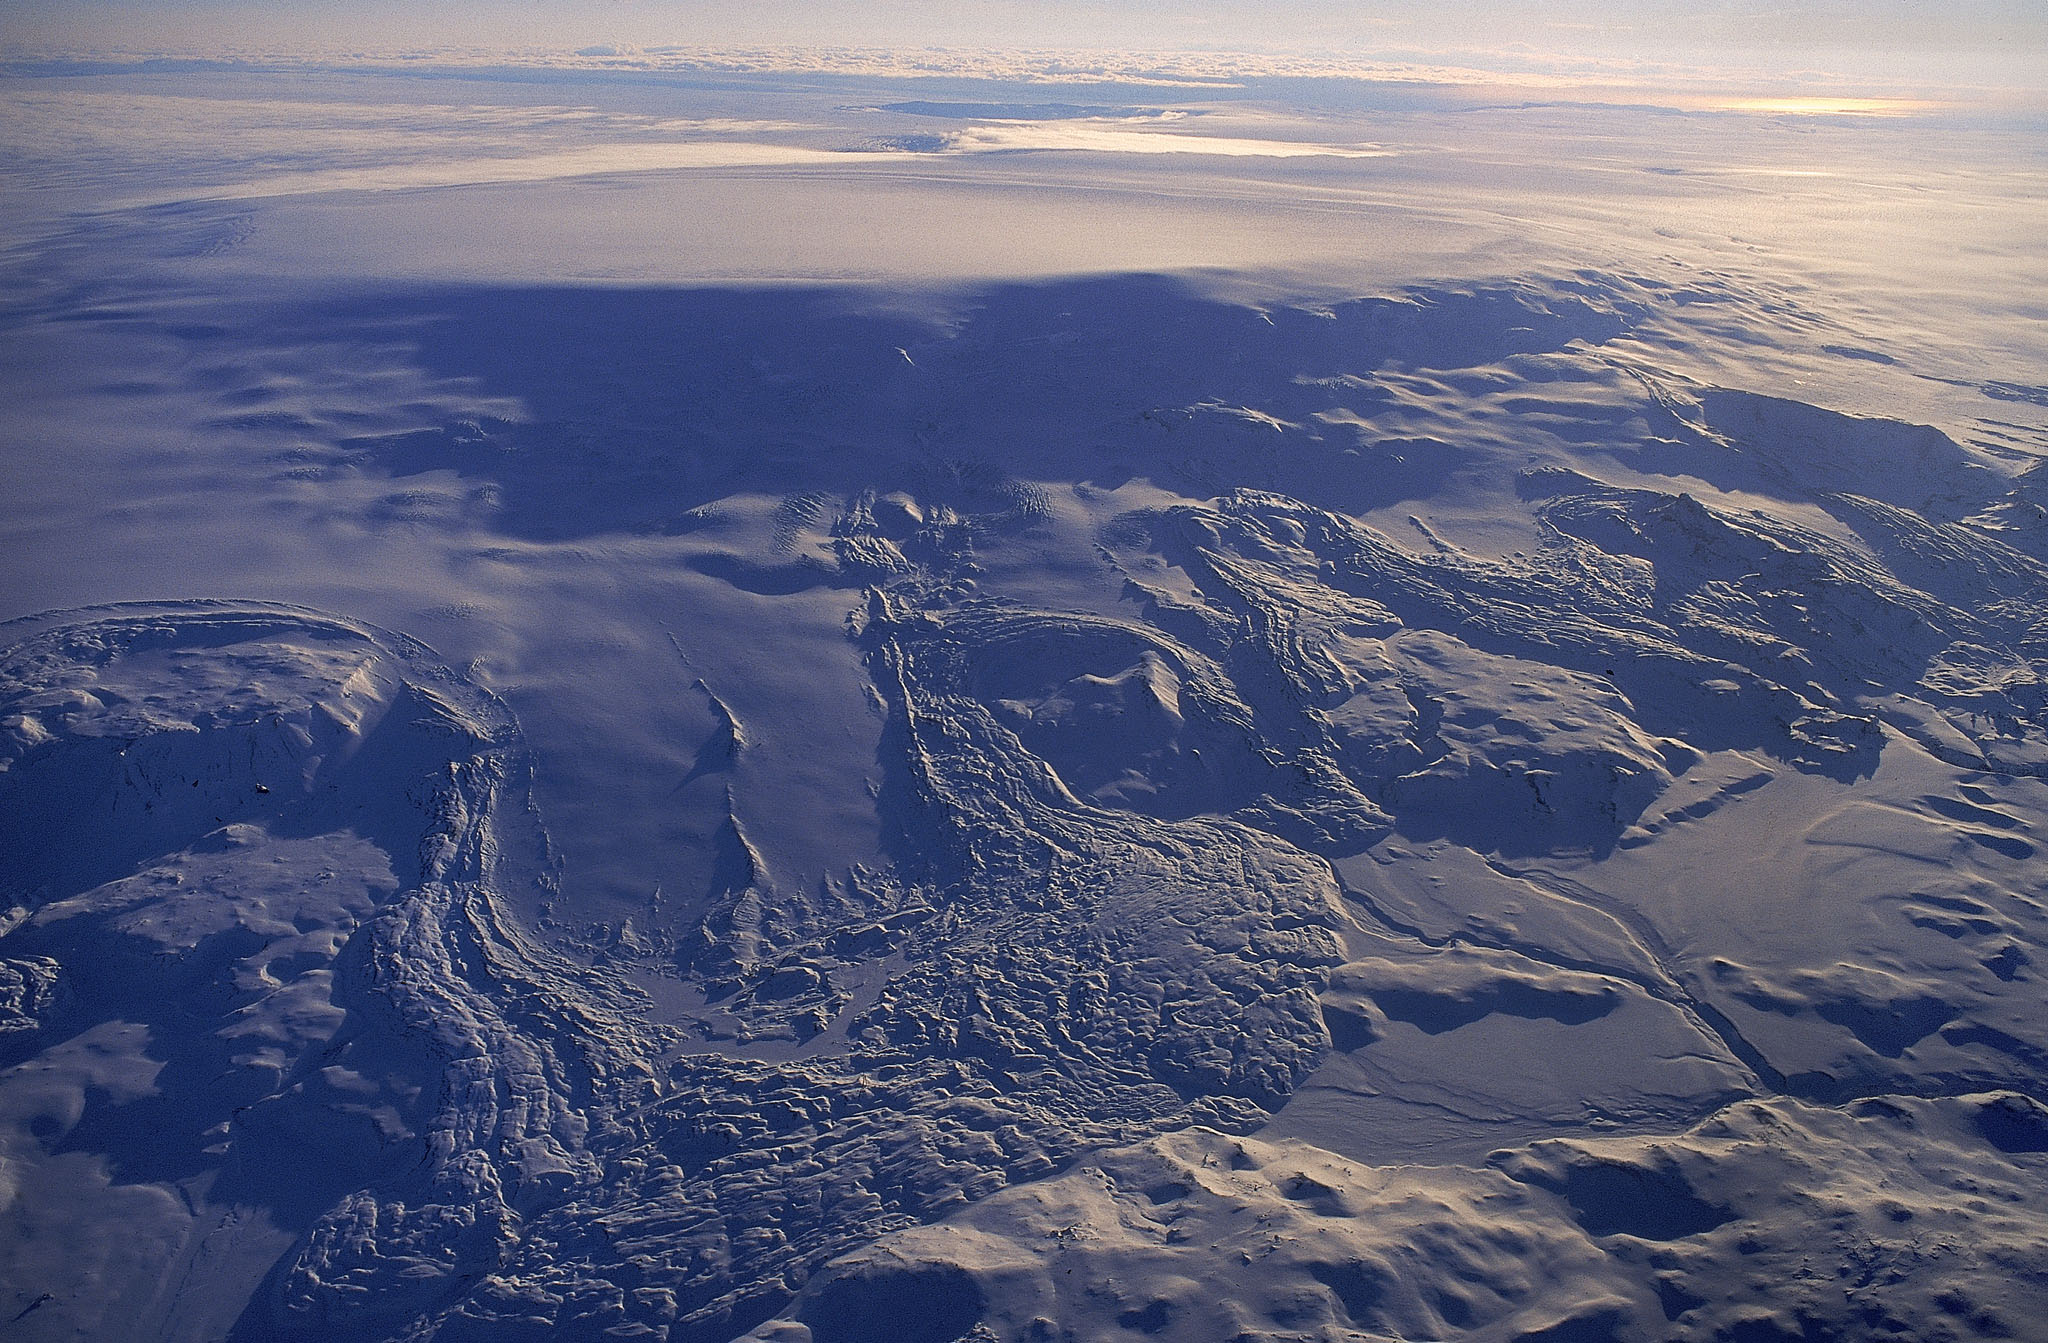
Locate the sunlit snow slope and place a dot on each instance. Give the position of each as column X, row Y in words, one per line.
column 1501, row 802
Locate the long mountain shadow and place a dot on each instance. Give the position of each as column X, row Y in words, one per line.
column 641, row 404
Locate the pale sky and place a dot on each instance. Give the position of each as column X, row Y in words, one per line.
column 1791, row 34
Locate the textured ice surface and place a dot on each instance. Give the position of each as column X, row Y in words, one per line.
column 1772, row 1220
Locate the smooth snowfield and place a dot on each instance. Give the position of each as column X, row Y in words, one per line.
column 791, row 741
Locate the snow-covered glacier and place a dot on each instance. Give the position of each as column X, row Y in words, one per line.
column 1489, row 792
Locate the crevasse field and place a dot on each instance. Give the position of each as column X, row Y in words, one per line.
column 858, row 700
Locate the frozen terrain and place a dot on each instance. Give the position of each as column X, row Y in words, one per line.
column 845, row 706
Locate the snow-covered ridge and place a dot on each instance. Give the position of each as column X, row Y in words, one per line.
column 1199, row 1236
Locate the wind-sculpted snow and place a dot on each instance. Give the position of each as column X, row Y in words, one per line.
column 1530, row 708
column 1146, row 955
column 1291, row 754
column 309, row 981
column 1909, row 1219
column 1073, row 977
column 1064, row 977
column 1461, row 693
